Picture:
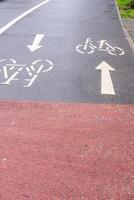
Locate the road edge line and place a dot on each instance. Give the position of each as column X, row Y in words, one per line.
column 15, row 20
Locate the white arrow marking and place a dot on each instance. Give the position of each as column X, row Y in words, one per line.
column 106, row 81
column 14, row 21
column 36, row 42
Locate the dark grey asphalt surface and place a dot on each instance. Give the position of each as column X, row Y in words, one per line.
column 66, row 24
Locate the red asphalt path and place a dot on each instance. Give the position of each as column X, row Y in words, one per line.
column 51, row 151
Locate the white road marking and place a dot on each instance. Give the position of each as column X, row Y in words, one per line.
column 37, row 71
column 12, row 77
column 51, row 66
column 31, row 81
column 88, row 48
column 5, row 72
column 14, row 21
column 36, row 43
column 106, row 81
column 33, row 71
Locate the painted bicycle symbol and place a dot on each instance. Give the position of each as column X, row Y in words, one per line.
column 88, row 48
column 12, row 71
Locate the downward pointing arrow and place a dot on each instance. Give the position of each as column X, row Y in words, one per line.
column 106, row 81
column 36, row 43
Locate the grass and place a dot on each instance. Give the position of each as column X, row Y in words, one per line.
column 126, row 8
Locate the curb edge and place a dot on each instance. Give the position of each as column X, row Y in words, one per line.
column 131, row 44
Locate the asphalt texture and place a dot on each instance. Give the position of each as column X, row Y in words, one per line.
column 65, row 24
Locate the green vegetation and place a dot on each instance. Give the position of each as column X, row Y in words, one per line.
column 126, row 8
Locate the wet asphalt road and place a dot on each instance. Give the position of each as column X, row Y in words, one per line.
column 66, row 24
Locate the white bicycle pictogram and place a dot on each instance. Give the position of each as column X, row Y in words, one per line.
column 10, row 71
column 88, row 48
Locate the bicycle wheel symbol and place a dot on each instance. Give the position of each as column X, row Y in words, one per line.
column 116, row 52
column 81, row 49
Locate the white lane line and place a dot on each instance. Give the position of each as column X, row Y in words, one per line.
column 14, row 21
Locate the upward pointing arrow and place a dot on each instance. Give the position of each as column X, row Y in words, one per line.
column 36, row 43
column 106, row 81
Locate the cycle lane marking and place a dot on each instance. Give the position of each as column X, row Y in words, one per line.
column 90, row 46
column 14, row 21
column 36, row 43
column 106, row 80
column 99, row 49
column 11, row 71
